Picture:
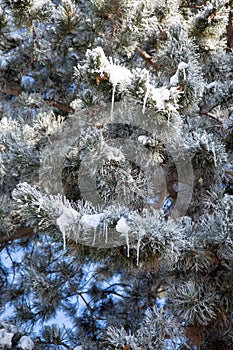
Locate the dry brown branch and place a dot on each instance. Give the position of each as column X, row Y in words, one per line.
column 211, row 115
column 230, row 27
column 115, row 25
column 148, row 59
column 21, row 232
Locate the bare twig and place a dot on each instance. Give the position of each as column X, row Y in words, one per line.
column 90, row 309
column 211, row 115
column 230, row 27
column 115, row 26
column 148, row 59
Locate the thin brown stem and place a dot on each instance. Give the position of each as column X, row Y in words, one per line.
column 80, row 294
column 230, row 27
column 211, row 115
column 115, row 26
column 148, row 59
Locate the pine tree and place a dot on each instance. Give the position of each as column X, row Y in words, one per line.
column 116, row 174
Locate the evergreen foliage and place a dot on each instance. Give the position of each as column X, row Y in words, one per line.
column 116, row 174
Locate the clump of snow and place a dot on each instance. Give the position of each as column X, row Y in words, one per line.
column 10, row 328
column 123, row 78
column 112, row 153
column 67, row 218
column 39, row 5
column 123, row 228
column 160, row 96
column 92, row 221
column 15, row 36
column 27, row 82
column 117, row 74
column 5, row 338
column 212, row 85
column 79, row 347
column 174, row 80
column 3, row 62
column 145, row 140
column 26, row 343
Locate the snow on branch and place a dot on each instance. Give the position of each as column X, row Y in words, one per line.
column 124, row 79
column 106, row 227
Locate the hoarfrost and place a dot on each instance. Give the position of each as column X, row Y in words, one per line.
column 113, row 153
column 160, row 95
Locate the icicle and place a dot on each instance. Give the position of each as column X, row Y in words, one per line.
column 145, row 100
column 146, row 94
column 113, row 97
column 65, row 220
column 106, row 231
column 127, row 243
column 214, row 154
column 184, row 72
column 183, row 65
column 64, row 240
column 174, row 80
column 138, row 248
column 94, row 238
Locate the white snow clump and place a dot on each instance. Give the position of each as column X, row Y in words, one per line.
column 26, row 343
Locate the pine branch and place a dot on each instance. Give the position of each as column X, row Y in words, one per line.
column 42, row 342
column 18, row 90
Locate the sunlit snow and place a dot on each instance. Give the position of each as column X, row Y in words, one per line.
column 26, row 343
column 5, row 338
